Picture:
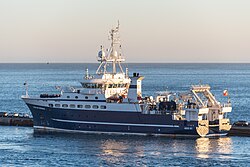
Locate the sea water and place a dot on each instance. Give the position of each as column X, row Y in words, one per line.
column 21, row 146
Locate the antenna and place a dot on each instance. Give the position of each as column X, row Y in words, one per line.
column 114, row 56
column 126, row 72
column 87, row 73
column 26, row 88
column 118, row 25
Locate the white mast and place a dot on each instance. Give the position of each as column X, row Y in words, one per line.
column 26, row 88
column 114, row 56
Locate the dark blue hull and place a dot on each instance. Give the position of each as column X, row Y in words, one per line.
column 109, row 122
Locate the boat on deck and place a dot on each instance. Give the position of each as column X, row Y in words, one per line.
column 112, row 102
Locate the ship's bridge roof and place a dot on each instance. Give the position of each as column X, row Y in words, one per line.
column 108, row 78
column 107, row 81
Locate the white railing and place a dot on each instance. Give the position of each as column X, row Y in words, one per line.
column 227, row 105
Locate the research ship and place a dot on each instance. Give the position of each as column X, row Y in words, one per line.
column 111, row 101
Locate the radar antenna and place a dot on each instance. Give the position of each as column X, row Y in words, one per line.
column 114, row 54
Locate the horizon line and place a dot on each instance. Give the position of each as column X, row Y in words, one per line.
column 126, row 62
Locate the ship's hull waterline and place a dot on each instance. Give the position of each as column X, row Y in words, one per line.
column 102, row 122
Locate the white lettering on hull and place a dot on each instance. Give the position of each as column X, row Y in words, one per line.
column 114, row 123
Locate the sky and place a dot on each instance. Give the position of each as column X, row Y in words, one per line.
column 152, row 31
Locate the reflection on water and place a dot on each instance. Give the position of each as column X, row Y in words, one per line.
column 202, row 147
column 225, row 147
column 23, row 147
column 112, row 150
column 207, row 147
column 116, row 150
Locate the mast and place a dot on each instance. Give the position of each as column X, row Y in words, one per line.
column 26, row 88
column 114, row 56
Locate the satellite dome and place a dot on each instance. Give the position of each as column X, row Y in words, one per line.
column 101, row 54
column 114, row 54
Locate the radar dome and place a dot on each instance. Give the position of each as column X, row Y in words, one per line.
column 114, row 54
column 101, row 54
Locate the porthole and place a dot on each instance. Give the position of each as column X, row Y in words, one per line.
column 96, row 97
column 95, row 106
column 72, row 106
column 57, row 105
column 65, row 105
column 79, row 106
column 68, row 97
column 103, row 107
column 87, row 106
column 76, row 97
column 86, row 97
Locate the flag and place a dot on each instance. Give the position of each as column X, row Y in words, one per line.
column 225, row 93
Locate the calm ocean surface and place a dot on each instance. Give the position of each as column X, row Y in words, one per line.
column 21, row 146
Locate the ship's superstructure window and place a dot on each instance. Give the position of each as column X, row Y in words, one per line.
column 103, row 107
column 96, row 97
column 76, row 97
column 87, row 106
column 79, row 106
column 86, row 97
column 92, row 85
column 68, row 97
column 50, row 105
column 72, row 106
column 116, row 85
column 65, row 105
column 57, row 105
column 95, row 106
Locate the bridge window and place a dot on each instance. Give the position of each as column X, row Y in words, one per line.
column 116, row 85
column 99, row 86
column 91, row 85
